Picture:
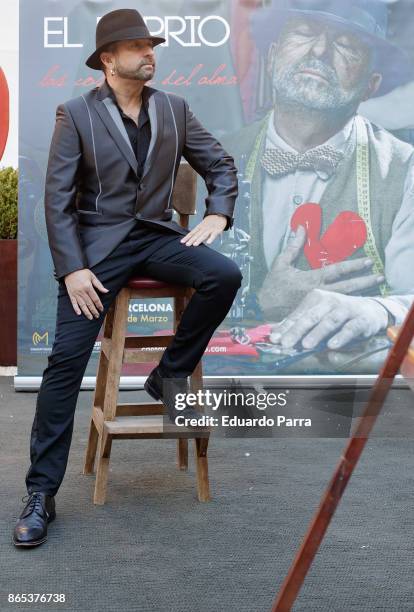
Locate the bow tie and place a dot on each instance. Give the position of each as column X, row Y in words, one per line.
column 278, row 162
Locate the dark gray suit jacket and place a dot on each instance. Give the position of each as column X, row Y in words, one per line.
column 93, row 196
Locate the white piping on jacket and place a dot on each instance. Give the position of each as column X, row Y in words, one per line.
column 176, row 150
column 96, row 164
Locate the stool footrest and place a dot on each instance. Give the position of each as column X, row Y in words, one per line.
column 149, row 425
column 138, row 341
column 127, row 410
column 140, row 409
column 137, row 348
column 142, row 356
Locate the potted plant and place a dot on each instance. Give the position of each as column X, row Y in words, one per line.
column 8, row 265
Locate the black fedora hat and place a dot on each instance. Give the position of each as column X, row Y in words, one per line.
column 122, row 24
column 366, row 18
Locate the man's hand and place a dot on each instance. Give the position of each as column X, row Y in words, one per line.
column 324, row 312
column 297, row 283
column 80, row 285
column 208, row 230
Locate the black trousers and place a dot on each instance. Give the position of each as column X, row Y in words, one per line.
column 150, row 252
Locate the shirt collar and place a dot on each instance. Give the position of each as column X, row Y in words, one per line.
column 110, row 92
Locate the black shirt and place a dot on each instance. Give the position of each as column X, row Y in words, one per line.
column 140, row 135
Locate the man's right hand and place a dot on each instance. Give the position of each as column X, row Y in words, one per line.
column 80, row 286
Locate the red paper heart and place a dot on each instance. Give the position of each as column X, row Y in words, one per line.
column 346, row 234
column 4, row 112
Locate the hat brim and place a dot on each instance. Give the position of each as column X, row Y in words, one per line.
column 94, row 61
column 391, row 61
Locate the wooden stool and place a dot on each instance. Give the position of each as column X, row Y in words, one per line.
column 111, row 420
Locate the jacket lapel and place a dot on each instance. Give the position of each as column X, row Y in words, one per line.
column 109, row 113
column 115, row 125
column 156, row 117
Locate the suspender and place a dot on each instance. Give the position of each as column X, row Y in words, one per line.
column 364, row 197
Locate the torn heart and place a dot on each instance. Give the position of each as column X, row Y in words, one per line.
column 345, row 235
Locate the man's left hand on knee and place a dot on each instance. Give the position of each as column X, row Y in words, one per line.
column 206, row 231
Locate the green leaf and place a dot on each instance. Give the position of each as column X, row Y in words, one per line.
column 8, row 203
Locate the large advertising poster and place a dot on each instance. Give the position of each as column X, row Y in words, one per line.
column 314, row 101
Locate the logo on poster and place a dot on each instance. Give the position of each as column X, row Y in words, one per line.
column 188, row 31
column 36, row 338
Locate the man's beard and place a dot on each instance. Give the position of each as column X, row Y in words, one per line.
column 142, row 73
column 300, row 90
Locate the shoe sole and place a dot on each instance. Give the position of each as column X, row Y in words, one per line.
column 33, row 543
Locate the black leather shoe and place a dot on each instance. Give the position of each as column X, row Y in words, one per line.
column 166, row 393
column 31, row 527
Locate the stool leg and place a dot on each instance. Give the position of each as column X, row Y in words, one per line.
column 203, row 487
column 101, row 379
column 110, row 399
column 182, row 453
column 182, row 443
column 107, row 388
column 117, row 345
column 99, row 395
column 200, row 444
column 91, row 449
column 102, row 468
column 180, row 304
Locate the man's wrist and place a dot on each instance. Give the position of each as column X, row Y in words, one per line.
column 229, row 219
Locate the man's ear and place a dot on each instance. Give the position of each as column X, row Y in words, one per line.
column 373, row 85
column 107, row 55
column 104, row 58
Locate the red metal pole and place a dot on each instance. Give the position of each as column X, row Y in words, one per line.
column 346, row 465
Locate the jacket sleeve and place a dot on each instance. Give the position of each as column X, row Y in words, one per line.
column 60, row 195
column 208, row 158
